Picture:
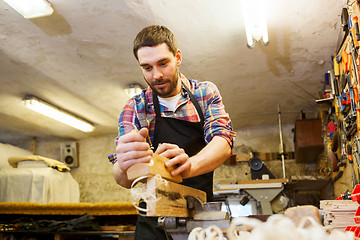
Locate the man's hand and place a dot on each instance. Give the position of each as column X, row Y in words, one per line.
column 132, row 148
column 178, row 158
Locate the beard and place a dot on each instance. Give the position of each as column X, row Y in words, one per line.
column 164, row 92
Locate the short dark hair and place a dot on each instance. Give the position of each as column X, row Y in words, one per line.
column 154, row 35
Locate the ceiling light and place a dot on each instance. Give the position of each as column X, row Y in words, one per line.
column 57, row 113
column 255, row 22
column 133, row 89
column 31, row 8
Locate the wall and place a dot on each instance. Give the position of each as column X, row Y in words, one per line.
column 94, row 173
column 264, row 140
column 96, row 182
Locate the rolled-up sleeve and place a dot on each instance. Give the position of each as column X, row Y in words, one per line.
column 217, row 120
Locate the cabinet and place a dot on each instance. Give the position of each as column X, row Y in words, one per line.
column 308, row 140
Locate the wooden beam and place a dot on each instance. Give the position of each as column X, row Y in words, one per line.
column 244, row 157
column 171, row 198
column 155, row 166
column 258, row 181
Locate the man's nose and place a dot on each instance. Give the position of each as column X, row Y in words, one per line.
column 157, row 73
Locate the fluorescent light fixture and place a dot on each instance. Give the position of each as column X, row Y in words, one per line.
column 31, row 8
column 133, row 89
column 58, row 114
column 254, row 15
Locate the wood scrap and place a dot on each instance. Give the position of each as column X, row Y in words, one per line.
column 155, row 166
column 171, row 198
column 338, row 214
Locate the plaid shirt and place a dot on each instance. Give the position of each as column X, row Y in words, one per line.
column 139, row 111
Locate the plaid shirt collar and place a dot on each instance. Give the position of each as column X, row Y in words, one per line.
column 184, row 99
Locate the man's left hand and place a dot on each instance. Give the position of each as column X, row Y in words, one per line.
column 178, row 158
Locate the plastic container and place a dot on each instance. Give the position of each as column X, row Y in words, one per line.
column 355, row 195
column 354, row 229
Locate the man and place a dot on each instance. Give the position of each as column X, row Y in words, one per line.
column 182, row 119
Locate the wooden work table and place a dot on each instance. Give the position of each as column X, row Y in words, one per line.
column 115, row 219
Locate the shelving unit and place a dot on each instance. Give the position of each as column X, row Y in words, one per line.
column 341, row 119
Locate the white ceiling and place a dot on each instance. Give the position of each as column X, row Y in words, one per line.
column 80, row 58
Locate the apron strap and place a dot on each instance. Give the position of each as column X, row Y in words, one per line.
column 196, row 104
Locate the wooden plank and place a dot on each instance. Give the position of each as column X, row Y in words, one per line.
column 338, row 214
column 244, row 157
column 250, row 186
column 95, row 209
column 338, row 205
column 155, row 166
column 171, row 198
column 258, row 181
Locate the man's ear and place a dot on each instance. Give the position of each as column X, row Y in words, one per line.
column 178, row 57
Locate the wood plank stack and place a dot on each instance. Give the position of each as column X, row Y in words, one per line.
column 338, row 214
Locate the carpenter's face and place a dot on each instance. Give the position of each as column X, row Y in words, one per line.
column 161, row 69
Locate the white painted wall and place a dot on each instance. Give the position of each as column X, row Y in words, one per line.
column 94, row 173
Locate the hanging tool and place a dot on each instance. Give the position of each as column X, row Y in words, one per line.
column 345, row 60
column 342, row 160
column 357, row 156
column 345, row 102
column 357, row 143
column 357, row 159
column 349, row 155
column 356, row 28
column 353, row 27
column 352, row 31
column 344, row 31
column 281, row 144
column 334, row 80
column 336, row 68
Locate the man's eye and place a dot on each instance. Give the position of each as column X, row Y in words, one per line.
column 147, row 68
column 163, row 64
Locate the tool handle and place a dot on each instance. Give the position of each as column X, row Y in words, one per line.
column 358, row 119
column 349, row 152
column 356, row 27
column 356, row 95
column 336, row 67
column 345, row 61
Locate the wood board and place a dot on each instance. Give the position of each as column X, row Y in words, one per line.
column 155, row 166
column 338, row 214
column 171, row 198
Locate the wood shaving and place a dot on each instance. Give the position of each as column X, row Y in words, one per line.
column 277, row 227
column 142, row 192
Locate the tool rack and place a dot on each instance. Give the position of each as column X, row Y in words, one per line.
column 341, row 123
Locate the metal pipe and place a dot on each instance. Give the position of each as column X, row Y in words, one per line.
column 281, row 143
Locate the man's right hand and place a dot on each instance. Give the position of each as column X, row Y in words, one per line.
column 131, row 148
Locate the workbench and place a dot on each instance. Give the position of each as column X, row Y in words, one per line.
column 115, row 219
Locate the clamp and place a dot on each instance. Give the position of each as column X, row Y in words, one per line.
column 205, row 215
